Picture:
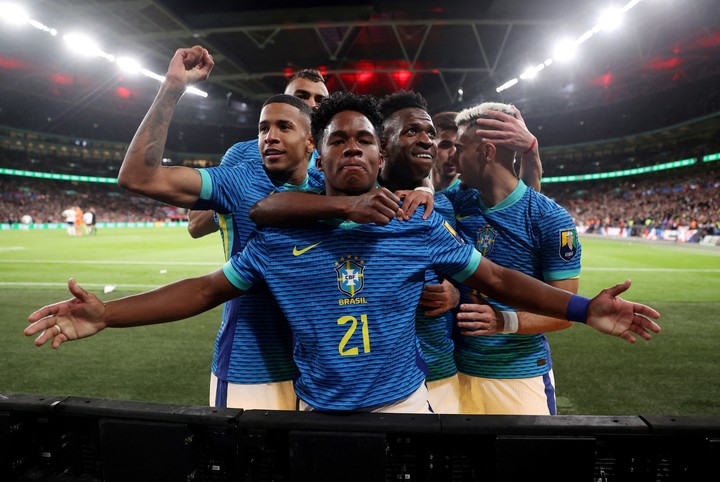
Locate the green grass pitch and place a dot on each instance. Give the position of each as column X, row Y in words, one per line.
column 674, row 374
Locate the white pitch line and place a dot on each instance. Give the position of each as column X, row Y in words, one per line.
column 658, row 270
column 85, row 285
column 100, row 262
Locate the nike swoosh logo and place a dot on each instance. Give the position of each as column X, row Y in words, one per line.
column 458, row 217
column 298, row 252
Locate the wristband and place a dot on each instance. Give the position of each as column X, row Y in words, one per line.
column 511, row 321
column 578, row 308
column 532, row 146
column 425, row 188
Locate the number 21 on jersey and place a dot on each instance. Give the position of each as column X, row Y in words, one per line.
column 342, row 348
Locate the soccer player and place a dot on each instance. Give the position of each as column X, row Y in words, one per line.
column 408, row 150
column 444, row 173
column 505, row 131
column 307, row 85
column 508, row 370
column 349, row 291
column 252, row 364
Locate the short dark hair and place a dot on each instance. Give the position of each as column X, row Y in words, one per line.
column 289, row 99
column 445, row 121
column 394, row 102
column 342, row 101
column 310, row 74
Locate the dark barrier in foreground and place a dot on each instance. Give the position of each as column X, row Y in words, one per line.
column 81, row 439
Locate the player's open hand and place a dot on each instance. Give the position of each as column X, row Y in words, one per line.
column 412, row 199
column 615, row 316
column 79, row 317
column 505, row 130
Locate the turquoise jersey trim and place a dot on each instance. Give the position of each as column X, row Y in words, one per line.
column 234, row 279
column 470, row 268
column 452, row 186
column 206, row 189
column 303, row 186
column 508, row 201
column 560, row 275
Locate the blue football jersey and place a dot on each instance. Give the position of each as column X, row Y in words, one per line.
column 253, row 344
column 527, row 232
column 350, row 293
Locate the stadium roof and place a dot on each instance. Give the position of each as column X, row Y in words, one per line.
column 667, row 48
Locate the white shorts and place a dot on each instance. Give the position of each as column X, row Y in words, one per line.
column 261, row 396
column 417, row 402
column 508, row 396
column 444, row 395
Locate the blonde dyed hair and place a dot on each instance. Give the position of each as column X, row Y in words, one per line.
column 468, row 115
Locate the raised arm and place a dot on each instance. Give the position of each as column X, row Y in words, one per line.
column 288, row 209
column 480, row 319
column 85, row 315
column 606, row 312
column 201, row 223
column 511, row 132
column 142, row 171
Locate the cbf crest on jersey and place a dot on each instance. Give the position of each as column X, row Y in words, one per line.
column 568, row 244
column 350, row 275
column 485, row 240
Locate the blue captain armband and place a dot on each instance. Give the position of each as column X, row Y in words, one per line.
column 578, row 308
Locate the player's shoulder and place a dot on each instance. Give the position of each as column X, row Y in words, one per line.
column 239, row 152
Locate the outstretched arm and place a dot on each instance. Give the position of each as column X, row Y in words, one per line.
column 85, row 315
column 289, row 209
column 480, row 319
column 606, row 312
column 142, row 171
column 201, row 223
column 512, row 133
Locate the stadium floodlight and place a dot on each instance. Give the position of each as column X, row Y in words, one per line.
column 565, row 50
column 85, row 46
column 507, row 85
column 610, row 19
column 128, row 65
column 13, row 13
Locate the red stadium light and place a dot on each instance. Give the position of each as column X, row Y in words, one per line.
column 123, row 92
column 62, row 79
column 10, row 63
column 401, row 77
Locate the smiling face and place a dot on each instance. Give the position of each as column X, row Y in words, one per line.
column 349, row 155
column 284, row 141
column 408, row 147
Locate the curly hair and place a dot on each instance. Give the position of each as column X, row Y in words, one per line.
column 339, row 102
column 392, row 103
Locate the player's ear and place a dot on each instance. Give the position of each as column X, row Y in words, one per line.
column 310, row 145
column 381, row 162
column 318, row 163
column 489, row 150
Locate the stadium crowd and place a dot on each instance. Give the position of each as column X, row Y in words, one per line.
column 678, row 198
column 688, row 197
column 45, row 200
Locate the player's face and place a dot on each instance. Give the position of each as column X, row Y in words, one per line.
column 409, row 147
column 312, row 93
column 284, row 139
column 349, row 154
column 445, row 166
column 469, row 155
